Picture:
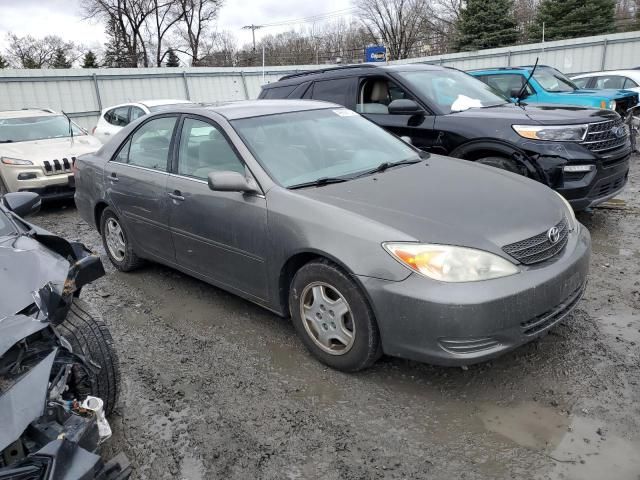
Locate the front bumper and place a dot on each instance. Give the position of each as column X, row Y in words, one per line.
column 464, row 323
column 49, row 187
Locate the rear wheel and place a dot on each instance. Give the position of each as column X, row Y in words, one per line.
column 502, row 163
column 116, row 242
column 333, row 317
column 89, row 336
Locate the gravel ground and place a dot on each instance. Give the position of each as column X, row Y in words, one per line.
column 215, row 387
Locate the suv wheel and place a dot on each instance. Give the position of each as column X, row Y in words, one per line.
column 115, row 242
column 333, row 317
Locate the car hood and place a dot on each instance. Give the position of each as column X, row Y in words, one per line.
column 538, row 114
column 55, row 148
column 449, row 201
column 29, row 265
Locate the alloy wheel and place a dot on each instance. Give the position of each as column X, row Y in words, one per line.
column 115, row 240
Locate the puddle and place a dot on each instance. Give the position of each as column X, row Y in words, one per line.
column 575, row 448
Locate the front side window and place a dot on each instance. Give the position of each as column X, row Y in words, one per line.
column 451, row 90
column 27, row 129
column 377, row 93
column 300, row 147
column 204, row 149
column 118, row 116
column 553, row 81
column 149, row 145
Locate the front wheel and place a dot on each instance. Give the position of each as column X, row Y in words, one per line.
column 333, row 317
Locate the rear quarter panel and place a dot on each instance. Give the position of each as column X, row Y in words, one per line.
column 89, row 185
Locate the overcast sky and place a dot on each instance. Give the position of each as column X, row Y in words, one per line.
column 64, row 18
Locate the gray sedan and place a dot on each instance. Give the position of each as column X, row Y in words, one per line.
column 313, row 212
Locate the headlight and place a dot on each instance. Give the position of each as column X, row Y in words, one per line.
column 450, row 264
column 558, row 133
column 611, row 104
column 15, row 161
column 573, row 222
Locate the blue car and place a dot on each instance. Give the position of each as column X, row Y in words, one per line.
column 550, row 86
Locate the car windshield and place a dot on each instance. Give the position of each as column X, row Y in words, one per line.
column 301, row 147
column 6, row 227
column 553, row 81
column 26, row 129
column 452, row 90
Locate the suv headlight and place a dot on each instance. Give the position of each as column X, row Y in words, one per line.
column 571, row 215
column 557, row 133
column 15, row 161
column 448, row 263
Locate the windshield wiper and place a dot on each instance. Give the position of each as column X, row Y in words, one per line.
column 386, row 165
column 318, row 183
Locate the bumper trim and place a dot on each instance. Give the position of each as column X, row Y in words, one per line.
column 538, row 324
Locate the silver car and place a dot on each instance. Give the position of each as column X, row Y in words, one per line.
column 313, row 212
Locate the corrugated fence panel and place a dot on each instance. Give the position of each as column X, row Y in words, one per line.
column 215, row 89
column 119, row 90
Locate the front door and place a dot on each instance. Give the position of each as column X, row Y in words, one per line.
column 136, row 180
column 219, row 235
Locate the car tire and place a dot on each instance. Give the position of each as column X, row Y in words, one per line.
column 88, row 335
column 116, row 243
column 501, row 163
column 318, row 288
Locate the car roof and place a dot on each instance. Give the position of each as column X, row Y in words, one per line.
column 260, row 108
column 629, row 73
column 348, row 70
column 155, row 103
column 28, row 112
column 521, row 68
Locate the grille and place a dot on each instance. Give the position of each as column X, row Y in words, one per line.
column 600, row 137
column 549, row 318
column 56, row 167
column 539, row 248
column 468, row 345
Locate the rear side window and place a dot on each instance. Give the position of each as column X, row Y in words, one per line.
column 118, row 116
column 630, row 83
column 149, row 145
column 335, row 91
column 278, row 92
column 612, row 81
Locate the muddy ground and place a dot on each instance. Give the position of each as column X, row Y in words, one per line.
column 215, row 387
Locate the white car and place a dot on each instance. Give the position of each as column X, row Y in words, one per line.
column 615, row 79
column 37, row 151
column 113, row 119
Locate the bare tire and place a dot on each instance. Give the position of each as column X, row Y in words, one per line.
column 333, row 318
column 89, row 336
column 502, row 163
column 116, row 242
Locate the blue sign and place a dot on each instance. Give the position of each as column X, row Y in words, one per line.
column 375, row 53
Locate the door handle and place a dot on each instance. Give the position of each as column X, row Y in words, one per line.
column 113, row 178
column 176, row 195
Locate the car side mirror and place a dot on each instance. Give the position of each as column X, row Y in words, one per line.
column 404, row 106
column 22, row 204
column 231, row 182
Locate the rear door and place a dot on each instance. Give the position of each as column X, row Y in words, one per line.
column 219, row 235
column 136, row 180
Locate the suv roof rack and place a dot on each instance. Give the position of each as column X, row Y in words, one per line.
column 323, row 70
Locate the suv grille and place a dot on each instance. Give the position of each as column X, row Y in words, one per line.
column 56, row 167
column 539, row 248
column 600, row 136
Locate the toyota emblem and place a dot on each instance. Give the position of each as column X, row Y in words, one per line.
column 553, row 235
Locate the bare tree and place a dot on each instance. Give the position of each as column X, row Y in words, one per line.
column 129, row 17
column 219, row 50
column 197, row 17
column 166, row 14
column 399, row 24
column 30, row 52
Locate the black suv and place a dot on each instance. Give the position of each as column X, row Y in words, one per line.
column 582, row 153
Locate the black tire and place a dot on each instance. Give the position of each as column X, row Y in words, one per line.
column 89, row 336
column 366, row 347
column 501, row 163
column 130, row 260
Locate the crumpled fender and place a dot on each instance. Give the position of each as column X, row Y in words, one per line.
column 15, row 328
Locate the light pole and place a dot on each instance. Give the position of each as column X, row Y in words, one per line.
column 253, row 29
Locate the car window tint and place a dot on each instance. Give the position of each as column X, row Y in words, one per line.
column 118, row 116
column 332, row 90
column 610, row 81
column 149, row 145
column 377, row 93
column 581, row 82
column 136, row 113
column 628, row 83
column 204, row 149
column 506, row 83
column 278, row 92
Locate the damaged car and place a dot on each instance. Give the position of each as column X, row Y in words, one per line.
column 59, row 372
